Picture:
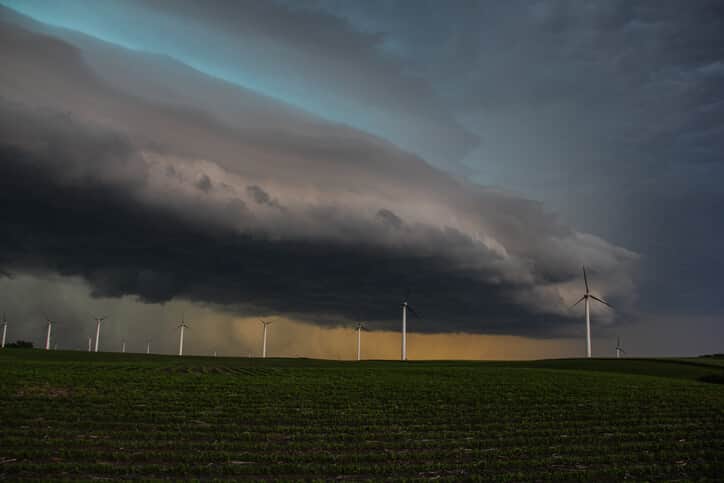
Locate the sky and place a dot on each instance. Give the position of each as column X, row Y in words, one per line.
column 314, row 162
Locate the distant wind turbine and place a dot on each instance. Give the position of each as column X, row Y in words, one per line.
column 123, row 347
column 360, row 328
column 405, row 308
column 263, row 347
column 99, row 321
column 585, row 298
column 47, row 337
column 90, row 342
column 5, row 329
column 148, row 346
column 619, row 349
column 182, row 326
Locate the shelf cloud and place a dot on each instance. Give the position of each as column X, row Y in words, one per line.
column 244, row 201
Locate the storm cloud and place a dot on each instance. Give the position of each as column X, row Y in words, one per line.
column 292, row 215
column 338, row 70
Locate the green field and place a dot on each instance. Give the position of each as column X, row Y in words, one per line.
column 74, row 415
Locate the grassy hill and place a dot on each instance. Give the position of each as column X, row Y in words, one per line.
column 81, row 416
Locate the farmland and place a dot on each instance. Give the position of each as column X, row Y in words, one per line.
column 74, row 415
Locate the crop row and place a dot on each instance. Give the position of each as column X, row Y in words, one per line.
column 523, row 471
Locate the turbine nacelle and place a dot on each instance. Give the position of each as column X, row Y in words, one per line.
column 587, row 294
column 184, row 323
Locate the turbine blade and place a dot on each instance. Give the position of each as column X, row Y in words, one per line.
column 585, row 279
column 600, row 300
column 579, row 301
column 412, row 311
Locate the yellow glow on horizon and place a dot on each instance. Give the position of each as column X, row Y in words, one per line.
column 288, row 338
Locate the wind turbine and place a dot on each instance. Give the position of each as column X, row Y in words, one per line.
column 99, row 321
column 359, row 328
column 182, row 326
column 123, row 346
column 585, row 298
column 5, row 329
column 263, row 347
column 405, row 308
column 619, row 349
column 90, row 341
column 47, row 337
column 148, row 346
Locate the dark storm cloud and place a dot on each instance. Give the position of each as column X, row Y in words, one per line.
column 123, row 248
column 84, row 224
column 142, row 198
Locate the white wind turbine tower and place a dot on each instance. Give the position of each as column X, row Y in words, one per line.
column 619, row 349
column 90, row 342
column 47, row 337
column 123, row 346
column 99, row 321
column 405, row 308
column 585, row 298
column 148, row 346
column 182, row 326
column 360, row 328
column 5, row 329
column 263, row 347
